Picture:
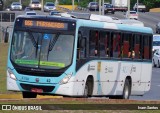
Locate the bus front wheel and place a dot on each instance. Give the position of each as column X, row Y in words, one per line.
column 88, row 87
column 29, row 95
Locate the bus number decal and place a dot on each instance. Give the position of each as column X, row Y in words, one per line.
column 28, row 23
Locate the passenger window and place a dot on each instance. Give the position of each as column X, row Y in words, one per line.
column 147, row 47
column 81, row 47
column 116, row 41
column 137, row 45
column 126, row 46
column 93, row 45
column 104, row 44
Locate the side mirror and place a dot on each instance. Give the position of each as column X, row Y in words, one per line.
column 6, row 37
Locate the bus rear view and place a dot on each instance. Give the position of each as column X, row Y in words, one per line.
column 40, row 55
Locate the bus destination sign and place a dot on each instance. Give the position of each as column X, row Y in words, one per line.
column 45, row 24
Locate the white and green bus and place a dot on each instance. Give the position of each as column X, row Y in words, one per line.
column 78, row 58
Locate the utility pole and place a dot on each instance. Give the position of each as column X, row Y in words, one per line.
column 41, row 5
column 72, row 5
column 128, row 13
column 56, row 2
column 100, row 7
column 137, row 6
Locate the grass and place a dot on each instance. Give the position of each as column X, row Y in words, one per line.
column 3, row 62
column 155, row 10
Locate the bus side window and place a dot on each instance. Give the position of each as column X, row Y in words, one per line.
column 146, row 48
column 116, row 41
column 93, row 43
column 137, row 46
column 104, row 44
column 81, row 47
column 126, row 46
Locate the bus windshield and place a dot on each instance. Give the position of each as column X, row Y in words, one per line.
column 42, row 50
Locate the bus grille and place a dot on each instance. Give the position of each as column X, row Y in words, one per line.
column 28, row 87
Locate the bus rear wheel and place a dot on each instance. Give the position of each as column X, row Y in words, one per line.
column 126, row 90
column 29, row 95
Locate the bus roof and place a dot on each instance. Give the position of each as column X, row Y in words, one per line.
column 116, row 26
column 92, row 23
column 48, row 17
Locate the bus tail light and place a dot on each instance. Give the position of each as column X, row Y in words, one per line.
column 11, row 75
column 65, row 79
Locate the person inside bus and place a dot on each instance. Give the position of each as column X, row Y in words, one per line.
column 106, row 46
column 96, row 51
column 116, row 45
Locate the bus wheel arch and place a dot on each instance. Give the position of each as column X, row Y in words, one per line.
column 88, row 89
column 127, row 88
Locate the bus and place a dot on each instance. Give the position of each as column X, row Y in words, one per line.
column 78, row 58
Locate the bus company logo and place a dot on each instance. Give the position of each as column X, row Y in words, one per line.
column 6, row 107
column 37, row 79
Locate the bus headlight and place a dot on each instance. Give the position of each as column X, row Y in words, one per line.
column 65, row 79
column 11, row 75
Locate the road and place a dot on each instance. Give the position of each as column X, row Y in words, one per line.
column 154, row 93
column 150, row 20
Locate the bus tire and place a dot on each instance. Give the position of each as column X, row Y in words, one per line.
column 126, row 90
column 29, row 95
column 88, row 87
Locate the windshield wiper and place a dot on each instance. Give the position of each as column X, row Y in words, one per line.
column 52, row 43
column 32, row 38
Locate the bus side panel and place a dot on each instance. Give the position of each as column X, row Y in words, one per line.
column 146, row 75
column 135, row 71
column 71, row 89
column 79, row 80
column 110, row 77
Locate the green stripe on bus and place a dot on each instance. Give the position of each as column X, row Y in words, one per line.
column 29, row 62
column 55, row 64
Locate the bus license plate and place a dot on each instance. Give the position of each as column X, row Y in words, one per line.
column 36, row 90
